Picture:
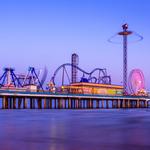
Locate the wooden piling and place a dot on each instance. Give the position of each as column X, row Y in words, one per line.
column 10, row 102
column 24, row 103
column 69, row 103
column 113, row 103
column 107, row 103
column 137, row 104
column 4, row 102
column 14, row 102
column 39, row 100
column 123, row 103
column 19, row 103
column 102, row 102
column 55, row 103
column 145, row 104
column 118, row 103
column 50, row 103
column 87, row 104
column 45, row 103
column 80, row 103
column 97, row 104
column 31, row 105
column 84, row 104
column 128, row 103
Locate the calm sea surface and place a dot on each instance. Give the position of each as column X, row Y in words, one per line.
column 116, row 129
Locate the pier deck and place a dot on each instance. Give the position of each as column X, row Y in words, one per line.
column 47, row 100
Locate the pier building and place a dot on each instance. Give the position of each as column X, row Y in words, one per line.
column 93, row 88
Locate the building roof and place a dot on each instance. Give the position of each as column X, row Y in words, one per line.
column 81, row 84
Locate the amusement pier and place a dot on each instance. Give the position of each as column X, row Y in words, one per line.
column 71, row 87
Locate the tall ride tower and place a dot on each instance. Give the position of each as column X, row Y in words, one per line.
column 125, row 33
column 74, row 71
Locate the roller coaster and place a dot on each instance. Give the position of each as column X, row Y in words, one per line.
column 97, row 75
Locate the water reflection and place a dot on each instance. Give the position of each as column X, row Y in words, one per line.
column 74, row 129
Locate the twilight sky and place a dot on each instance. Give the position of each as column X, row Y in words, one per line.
column 46, row 32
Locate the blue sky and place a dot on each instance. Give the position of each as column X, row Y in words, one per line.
column 46, row 32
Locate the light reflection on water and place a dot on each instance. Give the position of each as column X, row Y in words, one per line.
column 75, row 129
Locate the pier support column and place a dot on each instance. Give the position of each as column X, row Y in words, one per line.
column 61, row 103
column 14, row 102
column 77, row 104
column 39, row 103
column 107, row 104
column 80, row 103
column 131, row 103
column 10, row 102
column 123, row 103
column 50, row 103
column 45, row 103
column 58, row 101
column 72, row 104
column 64, row 103
column 102, row 102
column 84, row 104
column 128, row 103
column 55, row 103
column 97, row 104
column 118, row 103
column 145, row 104
column 19, row 102
column 24, row 103
column 137, row 103
column 69, row 103
column 90, row 104
column 140, row 104
column 113, row 103
column 31, row 103
column 4, row 102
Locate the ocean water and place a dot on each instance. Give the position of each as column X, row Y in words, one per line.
column 107, row 129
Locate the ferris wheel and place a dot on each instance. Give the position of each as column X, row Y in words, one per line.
column 136, row 81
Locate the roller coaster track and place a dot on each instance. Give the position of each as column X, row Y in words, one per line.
column 101, row 78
